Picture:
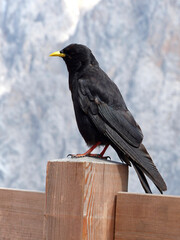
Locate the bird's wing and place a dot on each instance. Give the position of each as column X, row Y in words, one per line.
column 120, row 119
column 106, row 121
column 123, row 123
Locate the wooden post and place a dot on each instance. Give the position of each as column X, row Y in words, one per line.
column 21, row 215
column 80, row 198
column 146, row 217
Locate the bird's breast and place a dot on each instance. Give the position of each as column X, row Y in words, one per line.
column 87, row 129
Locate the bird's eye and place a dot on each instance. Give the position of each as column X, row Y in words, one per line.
column 68, row 54
column 73, row 54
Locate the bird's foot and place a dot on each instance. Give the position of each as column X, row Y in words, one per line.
column 89, row 155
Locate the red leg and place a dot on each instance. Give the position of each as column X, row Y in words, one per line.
column 88, row 153
column 104, row 150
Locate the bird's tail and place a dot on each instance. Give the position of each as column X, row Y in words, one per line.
column 148, row 168
column 144, row 165
column 138, row 170
column 140, row 159
column 142, row 178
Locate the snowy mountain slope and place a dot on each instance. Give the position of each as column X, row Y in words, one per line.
column 136, row 43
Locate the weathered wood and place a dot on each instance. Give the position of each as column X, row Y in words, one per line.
column 147, row 217
column 21, row 215
column 80, row 198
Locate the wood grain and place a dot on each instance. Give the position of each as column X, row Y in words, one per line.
column 147, row 217
column 80, row 199
column 21, row 215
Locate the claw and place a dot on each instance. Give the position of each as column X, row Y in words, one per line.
column 104, row 157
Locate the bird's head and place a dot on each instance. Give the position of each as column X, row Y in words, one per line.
column 76, row 57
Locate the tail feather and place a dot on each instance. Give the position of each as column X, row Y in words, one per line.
column 147, row 174
column 142, row 178
column 140, row 157
column 151, row 171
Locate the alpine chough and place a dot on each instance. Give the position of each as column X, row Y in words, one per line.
column 102, row 115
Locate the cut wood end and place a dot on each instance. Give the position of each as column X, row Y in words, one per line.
column 87, row 159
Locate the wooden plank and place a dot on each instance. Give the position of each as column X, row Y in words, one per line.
column 147, row 217
column 80, row 198
column 21, row 215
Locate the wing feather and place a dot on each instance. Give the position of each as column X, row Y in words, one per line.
column 123, row 123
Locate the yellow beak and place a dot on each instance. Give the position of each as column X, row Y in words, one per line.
column 57, row 54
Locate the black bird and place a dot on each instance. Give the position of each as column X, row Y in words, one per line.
column 102, row 116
